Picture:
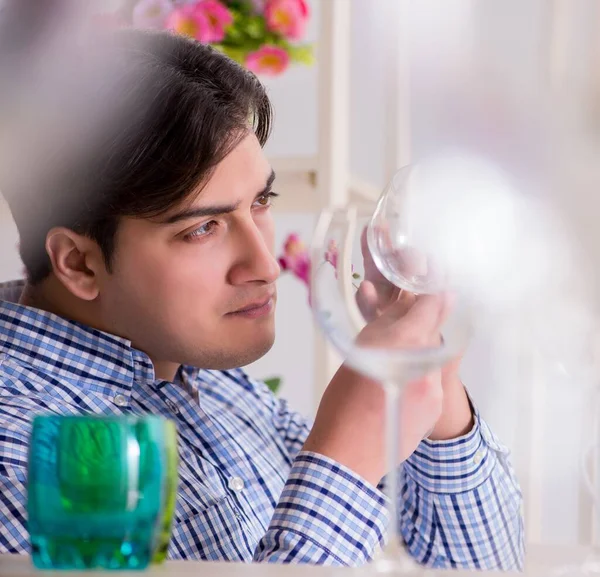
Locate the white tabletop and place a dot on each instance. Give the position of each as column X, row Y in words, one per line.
column 20, row 566
column 541, row 562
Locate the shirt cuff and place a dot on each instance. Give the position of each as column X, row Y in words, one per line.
column 329, row 505
column 457, row 465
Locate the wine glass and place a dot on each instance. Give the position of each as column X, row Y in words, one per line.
column 410, row 264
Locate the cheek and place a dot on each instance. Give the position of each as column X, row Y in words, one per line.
column 175, row 277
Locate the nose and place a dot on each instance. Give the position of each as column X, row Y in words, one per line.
column 255, row 262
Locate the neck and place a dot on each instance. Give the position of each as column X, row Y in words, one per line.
column 52, row 296
column 165, row 370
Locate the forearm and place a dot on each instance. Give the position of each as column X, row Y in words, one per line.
column 457, row 418
column 350, row 424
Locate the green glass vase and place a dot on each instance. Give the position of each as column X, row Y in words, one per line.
column 101, row 491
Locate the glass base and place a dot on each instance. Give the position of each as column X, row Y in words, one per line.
column 69, row 553
column 395, row 560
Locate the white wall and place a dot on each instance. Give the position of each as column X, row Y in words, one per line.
column 10, row 263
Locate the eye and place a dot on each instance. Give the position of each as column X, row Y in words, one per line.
column 202, row 231
column 265, row 200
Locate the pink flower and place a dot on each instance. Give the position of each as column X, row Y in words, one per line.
column 294, row 246
column 268, row 61
column 219, row 17
column 151, row 13
column 287, row 17
column 189, row 21
column 302, row 270
column 205, row 20
column 296, row 258
column 331, row 256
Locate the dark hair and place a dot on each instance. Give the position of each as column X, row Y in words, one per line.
column 165, row 110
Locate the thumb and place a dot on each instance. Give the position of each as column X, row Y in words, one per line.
column 367, row 300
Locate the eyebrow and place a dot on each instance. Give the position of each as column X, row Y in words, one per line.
column 215, row 210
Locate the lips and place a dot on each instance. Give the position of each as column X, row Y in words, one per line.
column 254, row 305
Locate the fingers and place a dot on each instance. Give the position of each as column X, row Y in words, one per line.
column 364, row 246
column 410, row 322
column 412, row 262
column 426, row 314
column 372, row 303
column 367, row 300
column 372, row 273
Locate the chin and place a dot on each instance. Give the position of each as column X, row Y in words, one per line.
column 226, row 359
column 252, row 355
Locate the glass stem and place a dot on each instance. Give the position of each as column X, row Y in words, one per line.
column 392, row 444
column 394, row 558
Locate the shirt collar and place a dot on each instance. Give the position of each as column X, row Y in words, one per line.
column 67, row 348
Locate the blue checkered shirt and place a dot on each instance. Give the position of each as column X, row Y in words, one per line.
column 247, row 490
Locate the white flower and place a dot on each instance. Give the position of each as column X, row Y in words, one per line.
column 152, row 13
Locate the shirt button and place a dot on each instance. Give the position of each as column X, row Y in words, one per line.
column 477, row 458
column 172, row 407
column 120, row 401
column 236, row 484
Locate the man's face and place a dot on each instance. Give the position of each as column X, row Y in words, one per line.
column 197, row 285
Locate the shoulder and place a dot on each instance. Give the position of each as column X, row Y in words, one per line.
column 25, row 392
column 23, row 383
column 16, row 414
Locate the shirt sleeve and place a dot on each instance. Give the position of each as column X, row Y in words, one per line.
column 327, row 515
column 461, row 505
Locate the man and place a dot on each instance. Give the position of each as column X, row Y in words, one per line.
column 151, row 278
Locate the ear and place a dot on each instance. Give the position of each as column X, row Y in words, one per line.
column 76, row 262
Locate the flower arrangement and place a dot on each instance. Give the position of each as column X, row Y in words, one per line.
column 296, row 259
column 262, row 35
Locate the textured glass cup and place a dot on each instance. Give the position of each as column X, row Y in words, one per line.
column 101, row 491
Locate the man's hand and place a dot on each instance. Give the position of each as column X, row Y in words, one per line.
column 374, row 296
column 349, row 426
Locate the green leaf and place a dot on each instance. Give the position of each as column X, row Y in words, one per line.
column 237, row 54
column 303, row 54
column 273, row 383
column 239, row 5
column 234, row 35
column 256, row 28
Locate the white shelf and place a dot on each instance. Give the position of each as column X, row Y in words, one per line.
column 297, row 181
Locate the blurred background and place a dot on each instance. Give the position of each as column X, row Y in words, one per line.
column 390, row 80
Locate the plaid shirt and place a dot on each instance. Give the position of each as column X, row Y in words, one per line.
column 247, row 491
